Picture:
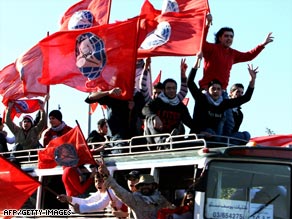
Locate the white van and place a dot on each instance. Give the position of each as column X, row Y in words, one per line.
column 238, row 182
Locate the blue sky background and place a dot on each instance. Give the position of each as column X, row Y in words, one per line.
column 24, row 23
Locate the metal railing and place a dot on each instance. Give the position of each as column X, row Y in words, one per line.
column 134, row 146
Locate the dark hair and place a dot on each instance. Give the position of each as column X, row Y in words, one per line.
column 221, row 32
column 56, row 114
column 167, row 81
column 215, row 81
column 1, row 123
column 101, row 122
column 235, row 86
column 159, row 85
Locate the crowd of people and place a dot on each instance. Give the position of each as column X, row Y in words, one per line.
column 215, row 114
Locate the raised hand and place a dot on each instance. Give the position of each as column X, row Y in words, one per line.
column 269, row 39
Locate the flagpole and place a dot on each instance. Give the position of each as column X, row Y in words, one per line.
column 89, row 120
column 48, row 88
column 150, row 82
column 56, row 194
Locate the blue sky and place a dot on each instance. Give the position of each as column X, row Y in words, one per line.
column 24, row 23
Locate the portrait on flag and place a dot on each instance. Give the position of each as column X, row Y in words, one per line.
column 97, row 58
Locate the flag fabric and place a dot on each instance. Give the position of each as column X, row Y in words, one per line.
column 148, row 23
column 158, row 78
column 19, row 80
column 85, row 14
column 175, row 35
column 24, row 106
column 93, row 107
column 29, row 65
column 97, row 58
column 184, row 6
column 177, row 30
column 16, row 186
column 273, row 140
column 7, row 77
column 165, row 213
column 186, row 101
column 46, row 157
column 11, row 87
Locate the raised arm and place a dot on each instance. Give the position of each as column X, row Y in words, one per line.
column 253, row 73
column 183, row 85
column 93, row 97
column 268, row 39
column 195, row 91
column 143, row 81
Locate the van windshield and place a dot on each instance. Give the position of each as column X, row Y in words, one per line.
column 242, row 190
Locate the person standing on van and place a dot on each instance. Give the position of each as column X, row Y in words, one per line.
column 145, row 202
column 210, row 106
column 27, row 136
column 166, row 113
column 58, row 127
column 99, row 135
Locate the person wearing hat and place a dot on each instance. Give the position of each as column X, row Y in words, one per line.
column 27, row 135
column 132, row 179
column 58, row 127
column 145, row 202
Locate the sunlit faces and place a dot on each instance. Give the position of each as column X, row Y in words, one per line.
column 26, row 124
column 98, row 180
column 54, row 122
column 146, row 189
column 103, row 129
column 156, row 92
column 237, row 92
column 170, row 90
column 131, row 184
column 226, row 39
column 215, row 91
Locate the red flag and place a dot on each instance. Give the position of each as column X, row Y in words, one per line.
column 16, row 186
column 73, row 137
column 24, row 106
column 93, row 107
column 273, row 140
column 29, row 65
column 11, row 87
column 158, row 78
column 148, row 23
column 99, row 9
column 105, row 56
column 186, row 101
column 185, row 6
column 176, row 30
column 175, row 35
column 7, row 77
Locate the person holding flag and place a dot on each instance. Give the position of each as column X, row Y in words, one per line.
column 27, row 136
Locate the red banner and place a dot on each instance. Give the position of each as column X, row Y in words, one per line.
column 273, row 140
column 100, row 10
column 98, row 58
column 16, row 186
column 73, row 137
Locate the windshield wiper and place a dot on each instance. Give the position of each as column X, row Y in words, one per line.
column 264, row 206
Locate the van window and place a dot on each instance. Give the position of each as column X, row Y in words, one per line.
column 247, row 190
column 174, row 180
